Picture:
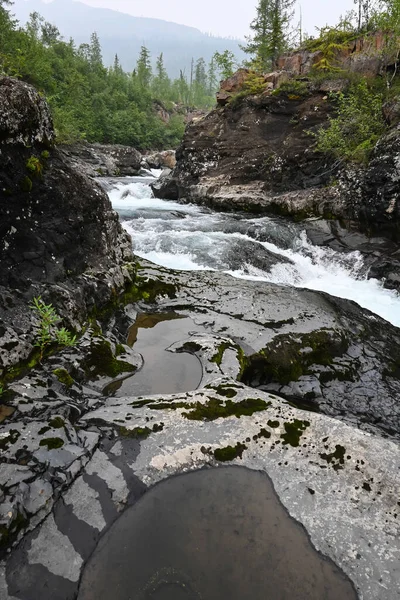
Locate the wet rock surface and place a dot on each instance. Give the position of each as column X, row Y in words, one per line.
column 257, row 153
column 74, row 455
column 187, row 541
column 104, row 160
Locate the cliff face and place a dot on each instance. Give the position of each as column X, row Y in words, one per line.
column 58, row 233
column 258, row 153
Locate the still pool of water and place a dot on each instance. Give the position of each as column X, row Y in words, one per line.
column 215, row 534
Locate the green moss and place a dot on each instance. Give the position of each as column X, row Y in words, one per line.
column 119, row 349
column 288, row 357
column 336, row 459
column 45, row 155
column 64, row 377
column 217, row 358
column 13, row 436
column 230, row 452
column 34, row 166
column 191, row 347
column 140, row 433
column 294, row 432
column 227, row 391
column 215, row 409
column 100, row 361
column 44, row 430
column 8, row 534
column 52, row 443
column 57, row 423
column 263, row 434
column 26, row 184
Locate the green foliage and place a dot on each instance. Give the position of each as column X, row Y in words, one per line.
column 353, row 133
column 253, row 86
column 332, row 41
column 47, row 332
column 94, row 103
column 270, row 33
column 293, row 87
column 34, row 166
column 226, row 63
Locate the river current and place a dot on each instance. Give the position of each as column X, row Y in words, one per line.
column 189, row 237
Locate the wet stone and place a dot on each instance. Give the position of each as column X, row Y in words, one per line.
column 215, row 533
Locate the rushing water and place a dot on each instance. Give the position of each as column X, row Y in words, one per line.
column 189, row 237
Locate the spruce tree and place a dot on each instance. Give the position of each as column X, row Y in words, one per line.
column 143, row 68
column 270, row 32
column 95, row 57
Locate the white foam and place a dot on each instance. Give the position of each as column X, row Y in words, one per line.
column 194, row 241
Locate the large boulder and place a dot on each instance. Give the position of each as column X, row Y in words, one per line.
column 100, row 160
column 59, row 236
column 24, row 115
column 165, row 159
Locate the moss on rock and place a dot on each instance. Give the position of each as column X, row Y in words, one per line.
column 101, row 361
column 229, row 453
column 64, row 377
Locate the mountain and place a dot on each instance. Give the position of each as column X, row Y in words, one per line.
column 124, row 34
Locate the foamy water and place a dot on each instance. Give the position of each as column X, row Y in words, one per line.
column 188, row 237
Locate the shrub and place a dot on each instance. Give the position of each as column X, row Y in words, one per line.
column 353, row 133
column 47, row 332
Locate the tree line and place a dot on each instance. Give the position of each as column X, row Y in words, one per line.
column 144, row 108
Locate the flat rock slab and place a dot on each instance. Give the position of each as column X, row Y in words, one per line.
column 215, row 533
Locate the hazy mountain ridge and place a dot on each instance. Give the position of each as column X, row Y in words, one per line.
column 123, row 34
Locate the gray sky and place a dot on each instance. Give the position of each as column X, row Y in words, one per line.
column 224, row 17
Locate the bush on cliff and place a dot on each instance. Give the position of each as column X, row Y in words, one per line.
column 353, row 133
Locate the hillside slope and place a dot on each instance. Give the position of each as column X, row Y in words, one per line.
column 124, row 34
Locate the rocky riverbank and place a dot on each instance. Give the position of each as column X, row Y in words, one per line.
column 74, row 458
column 294, row 383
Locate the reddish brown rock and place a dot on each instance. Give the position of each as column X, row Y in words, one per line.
column 232, row 86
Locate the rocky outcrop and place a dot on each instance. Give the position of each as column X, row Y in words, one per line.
column 59, row 236
column 364, row 55
column 73, row 456
column 101, row 160
column 258, row 154
column 164, row 159
column 253, row 151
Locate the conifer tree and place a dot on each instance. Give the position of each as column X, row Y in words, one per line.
column 270, row 32
column 95, row 57
column 143, row 68
column 212, row 77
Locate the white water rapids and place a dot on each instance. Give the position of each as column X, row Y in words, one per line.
column 189, row 237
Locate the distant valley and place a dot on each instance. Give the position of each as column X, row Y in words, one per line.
column 124, row 34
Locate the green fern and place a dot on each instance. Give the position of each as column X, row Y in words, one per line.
column 47, row 332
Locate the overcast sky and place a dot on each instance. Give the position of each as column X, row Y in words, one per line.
column 224, row 17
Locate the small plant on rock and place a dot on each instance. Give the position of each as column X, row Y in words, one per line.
column 34, row 166
column 47, row 331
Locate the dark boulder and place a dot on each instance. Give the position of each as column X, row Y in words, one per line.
column 59, row 236
column 100, row 160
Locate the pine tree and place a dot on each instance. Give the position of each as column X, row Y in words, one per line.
column 95, row 57
column 212, row 77
column 143, row 68
column 270, row 32
column 161, row 82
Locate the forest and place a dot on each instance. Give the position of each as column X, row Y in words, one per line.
column 92, row 102
column 145, row 108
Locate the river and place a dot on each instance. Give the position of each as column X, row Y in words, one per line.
column 190, row 237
